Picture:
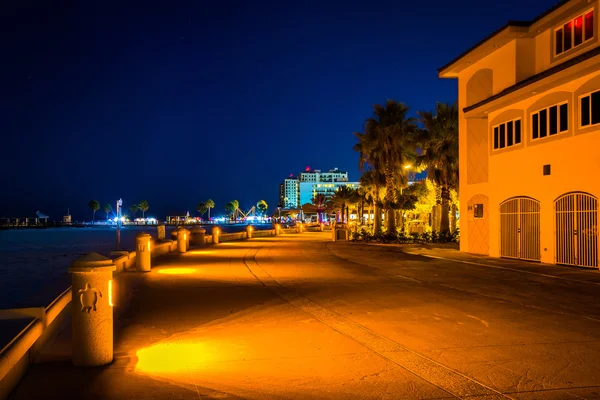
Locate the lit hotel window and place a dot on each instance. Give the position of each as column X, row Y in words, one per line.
column 507, row 134
column 590, row 109
column 550, row 121
column 578, row 30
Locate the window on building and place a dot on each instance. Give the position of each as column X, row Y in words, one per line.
column 550, row 121
column 573, row 33
column 507, row 134
column 589, row 109
column 478, row 210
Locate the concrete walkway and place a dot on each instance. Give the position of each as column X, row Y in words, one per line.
column 300, row 317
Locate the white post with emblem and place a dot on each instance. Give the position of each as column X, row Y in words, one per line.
column 92, row 310
column 143, row 252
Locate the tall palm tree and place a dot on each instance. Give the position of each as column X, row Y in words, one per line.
column 209, row 204
column 107, row 210
column 201, row 207
column 143, row 206
column 342, row 198
column 439, row 141
column 95, row 206
column 134, row 209
column 387, row 145
column 319, row 201
column 230, row 208
column 262, row 206
column 372, row 182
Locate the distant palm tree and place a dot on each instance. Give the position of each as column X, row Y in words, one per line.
column 107, row 210
column 134, row 209
column 209, row 204
column 95, row 206
column 230, row 208
column 319, row 201
column 143, row 206
column 201, row 207
column 262, row 206
column 342, row 198
column 440, row 153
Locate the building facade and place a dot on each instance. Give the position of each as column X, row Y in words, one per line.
column 291, row 193
column 529, row 134
column 308, row 190
column 296, row 191
column 333, row 175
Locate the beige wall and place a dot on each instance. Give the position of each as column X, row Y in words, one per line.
column 517, row 171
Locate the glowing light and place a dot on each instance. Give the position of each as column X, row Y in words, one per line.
column 185, row 236
column 110, row 293
column 149, row 245
column 201, row 252
column 172, row 357
column 177, row 271
column 408, row 166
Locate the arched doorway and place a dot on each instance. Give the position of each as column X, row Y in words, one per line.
column 520, row 229
column 576, row 229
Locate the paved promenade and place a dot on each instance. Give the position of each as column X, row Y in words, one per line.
column 300, row 317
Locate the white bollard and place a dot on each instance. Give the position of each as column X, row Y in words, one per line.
column 92, row 310
column 143, row 258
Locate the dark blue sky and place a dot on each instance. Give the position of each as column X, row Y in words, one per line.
column 179, row 101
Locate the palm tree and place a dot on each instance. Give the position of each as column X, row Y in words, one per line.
column 95, row 206
column 371, row 183
column 134, row 209
column 341, row 199
column 387, row 145
column 230, row 208
column 107, row 210
column 319, row 201
column 262, row 206
column 439, row 140
column 201, row 207
column 209, row 204
column 143, row 206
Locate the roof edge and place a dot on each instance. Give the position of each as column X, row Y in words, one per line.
column 521, row 24
column 537, row 77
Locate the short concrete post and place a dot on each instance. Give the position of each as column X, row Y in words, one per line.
column 160, row 231
column 277, row 229
column 301, row 228
column 197, row 236
column 249, row 230
column 91, row 310
column 215, row 235
column 322, row 227
column 143, row 252
column 182, row 238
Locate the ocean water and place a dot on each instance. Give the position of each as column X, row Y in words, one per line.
column 34, row 262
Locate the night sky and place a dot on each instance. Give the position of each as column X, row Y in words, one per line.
column 176, row 102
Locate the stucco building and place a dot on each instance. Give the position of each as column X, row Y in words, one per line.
column 529, row 127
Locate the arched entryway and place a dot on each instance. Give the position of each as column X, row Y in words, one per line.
column 520, row 228
column 576, row 229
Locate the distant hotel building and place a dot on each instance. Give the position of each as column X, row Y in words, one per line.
column 296, row 191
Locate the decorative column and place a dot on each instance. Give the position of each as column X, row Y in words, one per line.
column 215, row 234
column 143, row 252
column 91, row 310
column 161, row 231
column 182, row 240
column 197, row 236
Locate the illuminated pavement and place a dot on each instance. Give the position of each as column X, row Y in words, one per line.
column 300, row 317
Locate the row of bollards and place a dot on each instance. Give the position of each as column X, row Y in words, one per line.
column 92, row 292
